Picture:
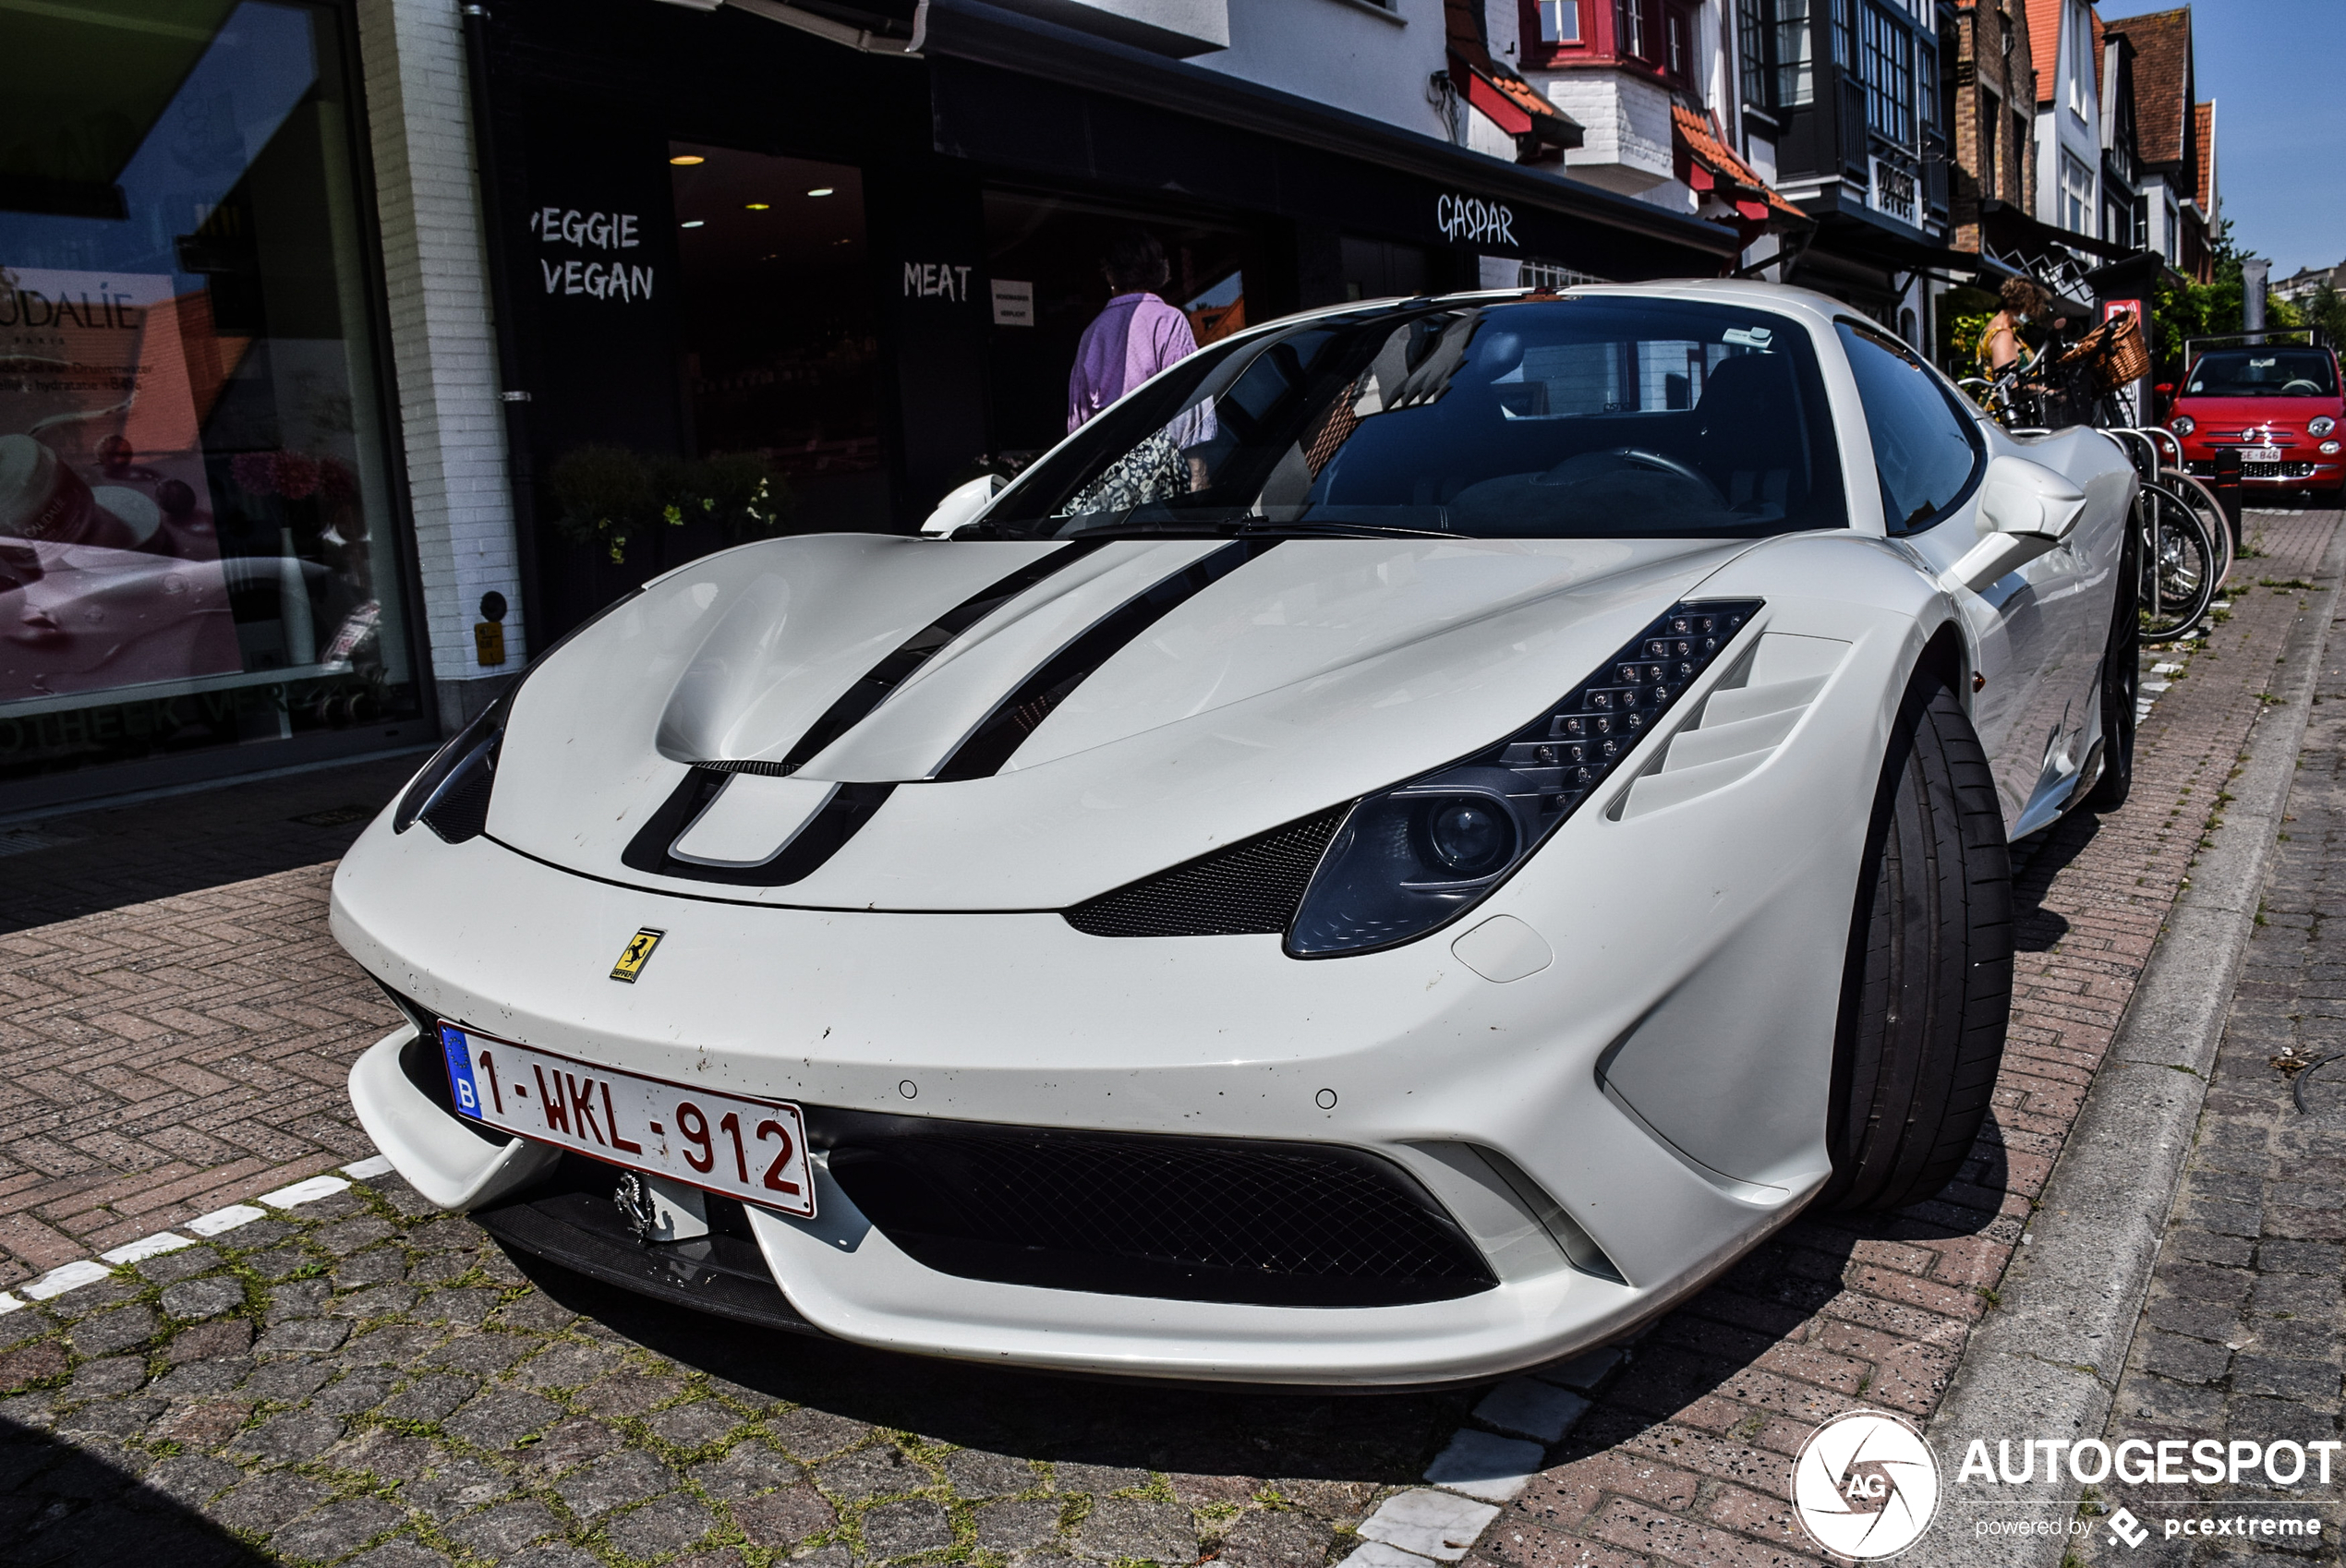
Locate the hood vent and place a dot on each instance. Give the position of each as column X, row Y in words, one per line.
column 849, row 808
column 1251, row 888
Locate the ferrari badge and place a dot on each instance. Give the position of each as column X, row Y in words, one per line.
column 637, row 953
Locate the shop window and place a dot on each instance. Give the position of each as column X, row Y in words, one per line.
column 1044, row 261
column 780, row 354
column 197, row 543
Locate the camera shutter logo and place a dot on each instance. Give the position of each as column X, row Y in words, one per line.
column 1864, row 1485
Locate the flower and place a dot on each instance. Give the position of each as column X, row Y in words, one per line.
column 297, row 476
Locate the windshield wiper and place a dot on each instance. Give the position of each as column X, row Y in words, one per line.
column 1346, row 530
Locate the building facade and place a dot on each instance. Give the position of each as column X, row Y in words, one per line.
column 334, row 323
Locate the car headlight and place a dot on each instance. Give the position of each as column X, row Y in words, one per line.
column 2320, row 425
column 1421, row 853
column 2182, row 424
column 451, row 795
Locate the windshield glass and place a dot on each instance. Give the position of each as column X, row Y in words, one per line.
column 2264, row 372
column 1578, row 417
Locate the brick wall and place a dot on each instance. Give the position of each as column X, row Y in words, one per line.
column 443, row 349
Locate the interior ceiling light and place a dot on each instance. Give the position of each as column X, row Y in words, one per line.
column 693, row 222
column 686, row 160
column 820, row 190
column 755, row 206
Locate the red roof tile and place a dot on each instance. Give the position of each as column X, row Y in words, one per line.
column 2044, row 44
column 2204, row 188
column 1732, row 179
column 2163, row 83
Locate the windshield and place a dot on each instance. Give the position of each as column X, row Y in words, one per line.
column 2264, row 372
column 1578, row 417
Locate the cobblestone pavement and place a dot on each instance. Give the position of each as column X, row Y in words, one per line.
column 352, row 1376
column 2241, row 1336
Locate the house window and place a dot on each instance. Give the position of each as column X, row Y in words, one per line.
column 1927, row 84
column 2076, row 194
column 1886, row 52
column 1751, row 51
column 1630, row 28
column 1845, row 50
column 1559, row 21
column 1675, row 25
column 1992, row 116
column 2080, row 50
column 2174, row 219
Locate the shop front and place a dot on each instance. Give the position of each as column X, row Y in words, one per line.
column 203, row 568
column 760, row 282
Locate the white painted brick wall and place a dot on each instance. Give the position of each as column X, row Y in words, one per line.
column 443, row 342
column 1625, row 144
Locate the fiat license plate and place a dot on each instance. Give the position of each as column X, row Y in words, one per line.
column 752, row 1149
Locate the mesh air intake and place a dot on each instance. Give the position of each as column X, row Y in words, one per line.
column 1251, row 888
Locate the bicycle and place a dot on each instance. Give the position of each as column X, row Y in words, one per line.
column 2194, row 492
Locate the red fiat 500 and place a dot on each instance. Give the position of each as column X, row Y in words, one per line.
column 2277, row 405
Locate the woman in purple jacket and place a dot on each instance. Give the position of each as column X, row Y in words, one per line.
column 1136, row 337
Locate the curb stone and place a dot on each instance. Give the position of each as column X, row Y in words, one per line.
column 2047, row 1362
column 89, row 1271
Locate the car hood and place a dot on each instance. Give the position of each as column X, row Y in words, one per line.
column 1312, row 672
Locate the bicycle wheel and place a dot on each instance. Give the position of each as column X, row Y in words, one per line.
column 2178, row 567
column 2210, row 512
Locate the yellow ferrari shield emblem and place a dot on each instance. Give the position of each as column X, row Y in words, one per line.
column 637, row 954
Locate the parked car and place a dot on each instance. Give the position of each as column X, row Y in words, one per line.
column 2278, row 406
column 1395, row 853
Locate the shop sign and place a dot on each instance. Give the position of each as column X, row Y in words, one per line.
column 612, row 279
column 1471, row 218
column 936, row 280
column 1013, row 302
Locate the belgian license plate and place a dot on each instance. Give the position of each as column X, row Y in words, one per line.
column 752, row 1149
column 2260, row 454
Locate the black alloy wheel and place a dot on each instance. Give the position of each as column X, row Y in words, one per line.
column 2120, row 684
column 1926, row 988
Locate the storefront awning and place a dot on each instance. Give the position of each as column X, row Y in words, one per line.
column 1363, row 171
column 1710, row 168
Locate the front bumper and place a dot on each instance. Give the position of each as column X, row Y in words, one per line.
column 1427, row 1063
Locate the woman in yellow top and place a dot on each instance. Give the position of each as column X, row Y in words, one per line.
column 1999, row 346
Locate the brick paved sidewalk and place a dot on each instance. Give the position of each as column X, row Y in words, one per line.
column 177, row 1030
column 2241, row 1336
column 1682, row 1457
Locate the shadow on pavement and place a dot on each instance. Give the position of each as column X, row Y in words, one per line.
column 90, row 861
column 62, row 1504
column 1203, row 1429
column 2036, row 861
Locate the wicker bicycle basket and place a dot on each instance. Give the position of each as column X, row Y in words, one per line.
column 2110, row 355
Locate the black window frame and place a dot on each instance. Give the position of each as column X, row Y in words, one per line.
column 1966, row 419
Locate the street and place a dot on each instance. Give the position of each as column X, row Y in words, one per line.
column 319, row 1368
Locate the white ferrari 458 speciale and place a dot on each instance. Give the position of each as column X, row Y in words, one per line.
column 1394, row 854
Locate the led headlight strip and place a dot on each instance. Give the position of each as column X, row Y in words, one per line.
column 1420, row 854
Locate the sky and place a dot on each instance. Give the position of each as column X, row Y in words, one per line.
column 2276, row 70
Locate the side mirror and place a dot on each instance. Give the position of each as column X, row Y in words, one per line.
column 2025, row 509
column 962, row 504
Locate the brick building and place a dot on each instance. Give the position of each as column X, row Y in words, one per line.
column 1995, row 94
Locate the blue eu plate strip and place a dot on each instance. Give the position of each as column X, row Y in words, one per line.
column 460, row 1068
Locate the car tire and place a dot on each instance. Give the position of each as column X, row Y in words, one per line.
column 1926, row 988
column 2120, row 685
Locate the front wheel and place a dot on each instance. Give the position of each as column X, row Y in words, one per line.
column 1926, row 987
column 2120, row 686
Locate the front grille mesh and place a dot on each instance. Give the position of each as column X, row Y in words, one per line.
column 1251, row 888
column 1197, row 1218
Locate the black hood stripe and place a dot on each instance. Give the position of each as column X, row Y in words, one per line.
column 892, row 672
column 1018, row 715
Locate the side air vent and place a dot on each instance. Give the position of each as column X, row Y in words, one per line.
column 1741, row 723
column 1251, row 888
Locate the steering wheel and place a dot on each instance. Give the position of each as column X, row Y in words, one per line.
column 1645, row 457
column 2301, row 387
